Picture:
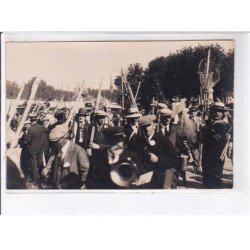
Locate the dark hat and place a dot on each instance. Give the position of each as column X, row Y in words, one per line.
column 101, row 113
column 219, row 106
column 58, row 132
column 193, row 109
column 114, row 135
column 147, row 120
column 33, row 117
column 82, row 111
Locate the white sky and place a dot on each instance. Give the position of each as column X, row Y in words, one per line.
column 69, row 63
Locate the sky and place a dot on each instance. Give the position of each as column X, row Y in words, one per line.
column 68, row 64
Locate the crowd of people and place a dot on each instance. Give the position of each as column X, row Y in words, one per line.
column 132, row 150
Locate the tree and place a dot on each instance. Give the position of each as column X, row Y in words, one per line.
column 12, row 89
column 177, row 74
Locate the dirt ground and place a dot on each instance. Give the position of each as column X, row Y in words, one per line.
column 194, row 180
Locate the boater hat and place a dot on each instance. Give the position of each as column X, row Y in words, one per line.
column 133, row 113
column 219, row 106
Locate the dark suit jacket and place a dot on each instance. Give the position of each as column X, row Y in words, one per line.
column 76, row 130
column 37, row 138
column 163, row 149
column 135, row 141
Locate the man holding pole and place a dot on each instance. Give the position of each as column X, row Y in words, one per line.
column 215, row 135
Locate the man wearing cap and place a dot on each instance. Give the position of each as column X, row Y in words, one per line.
column 98, row 126
column 109, row 157
column 70, row 163
column 133, row 131
column 214, row 136
column 81, row 129
column 37, row 140
column 159, row 155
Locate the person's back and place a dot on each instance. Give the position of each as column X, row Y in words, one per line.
column 37, row 138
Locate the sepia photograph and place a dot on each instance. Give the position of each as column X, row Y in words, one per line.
column 119, row 115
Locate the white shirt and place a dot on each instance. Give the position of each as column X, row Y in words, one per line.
column 164, row 129
column 64, row 149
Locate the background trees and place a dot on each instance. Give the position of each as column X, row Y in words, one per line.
column 164, row 77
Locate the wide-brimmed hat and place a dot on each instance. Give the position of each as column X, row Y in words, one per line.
column 101, row 113
column 82, row 111
column 166, row 112
column 219, row 106
column 147, row 120
column 133, row 112
column 58, row 132
column 114, row 135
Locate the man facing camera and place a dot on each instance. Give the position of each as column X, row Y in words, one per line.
column 159, row 155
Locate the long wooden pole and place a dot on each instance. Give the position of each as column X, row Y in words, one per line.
column 13, row 107
column 25, row 114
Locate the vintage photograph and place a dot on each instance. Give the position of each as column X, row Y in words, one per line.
column 108, row 115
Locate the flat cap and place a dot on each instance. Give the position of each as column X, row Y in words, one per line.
column 58, row 132
column 147, row 120
column 114, row 135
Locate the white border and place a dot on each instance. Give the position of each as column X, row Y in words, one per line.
column 134, row 202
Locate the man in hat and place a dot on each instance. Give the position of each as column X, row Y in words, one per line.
column 37, row 141
column 70, row 163
column 133, row 131
column 81, row 129
column 158, row 155
column 24, row 158
column 108, row 158
column 98, row 126
column 214, row 135
column 15, row 122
